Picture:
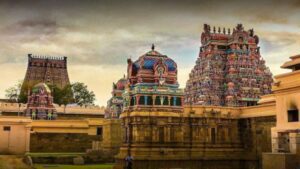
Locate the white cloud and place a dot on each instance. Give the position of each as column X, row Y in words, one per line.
column 99, row 36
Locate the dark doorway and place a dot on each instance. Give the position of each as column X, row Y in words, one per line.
column 161, row 135
column 213, row 135
column 293, row 115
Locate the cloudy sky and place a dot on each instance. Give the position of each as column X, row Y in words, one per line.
column 99, row 36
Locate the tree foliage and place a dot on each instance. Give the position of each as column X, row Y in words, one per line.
column 62, row 96
column 82, row 95
column 13, row 92
column 75, row 93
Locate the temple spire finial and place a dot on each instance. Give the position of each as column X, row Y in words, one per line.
column 152, row 47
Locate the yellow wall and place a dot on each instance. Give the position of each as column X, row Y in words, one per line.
column 88, row 126
column 15, row 141
column 287, row 94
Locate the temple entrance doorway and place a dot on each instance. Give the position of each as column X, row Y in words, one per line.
column 283, row 142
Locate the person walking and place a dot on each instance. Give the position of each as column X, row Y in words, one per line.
column 128, row 161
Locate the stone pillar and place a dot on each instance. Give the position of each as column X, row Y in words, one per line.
column 275, row 139
column 27, row 139
column 146, row 100
column 153, row 100
column 297, row 143
column 134, row 100
column 167, row 133
column 161, row 100
column 294, row 142
column 169, row 100
column 137, row 100
column 174, row 101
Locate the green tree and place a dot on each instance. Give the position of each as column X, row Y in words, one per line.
column 82, row 96
column 76, row 93
column 62, row 96
column 13, row 92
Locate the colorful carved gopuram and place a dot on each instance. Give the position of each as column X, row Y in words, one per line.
column 229, row 70
column 115, row 104
column 40, row 103
column 45, row 69
column 153, row 84
column 152, row 101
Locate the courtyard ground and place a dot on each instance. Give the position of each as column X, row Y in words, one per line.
column 12, row 162
column 97, row 166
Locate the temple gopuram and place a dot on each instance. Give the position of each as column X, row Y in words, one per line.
column 45, row 69
column 153, row 84
column 152, row 101
column 115, row 104
column 229, row 70
column 40, row 103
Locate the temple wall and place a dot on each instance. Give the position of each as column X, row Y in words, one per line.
column 61, row 142
column 76, row 136
column 284, row 104
column 201, row 136
column 256, row 137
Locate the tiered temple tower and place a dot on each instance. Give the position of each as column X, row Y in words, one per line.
column 152, row 102
column 44, row 69
column 115, row 104
column 40, row 103
column 229, row 70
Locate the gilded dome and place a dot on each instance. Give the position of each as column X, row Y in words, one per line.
column 41, row 87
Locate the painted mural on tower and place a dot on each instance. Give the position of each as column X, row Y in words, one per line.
column 229, row 70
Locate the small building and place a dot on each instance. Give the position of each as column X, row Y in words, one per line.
column 40, row 103
column 286, row 134
column 14, row 134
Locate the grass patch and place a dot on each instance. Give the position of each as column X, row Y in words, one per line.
column 12, row 162
column 54, row 154
column 53, row 166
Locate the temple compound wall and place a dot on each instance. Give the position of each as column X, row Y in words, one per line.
column 68, row 112
column 96, row 140
column 73, row 135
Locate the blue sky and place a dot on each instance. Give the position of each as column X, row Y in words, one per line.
column 99, row 36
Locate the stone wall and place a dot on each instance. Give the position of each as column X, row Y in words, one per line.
column 62, row 116
column 256, row 136
column 208, row 140
column 61, row 142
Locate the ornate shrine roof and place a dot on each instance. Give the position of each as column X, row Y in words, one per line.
column 41, row 86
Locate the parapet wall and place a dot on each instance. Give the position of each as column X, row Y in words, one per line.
column 19, row 107
column 264, row 110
